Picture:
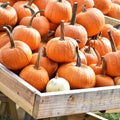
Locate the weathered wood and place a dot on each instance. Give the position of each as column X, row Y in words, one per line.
column 17, row 89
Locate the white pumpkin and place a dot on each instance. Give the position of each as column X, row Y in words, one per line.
column 57, row 84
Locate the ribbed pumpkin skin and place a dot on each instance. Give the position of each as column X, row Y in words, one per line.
column 93, row 20
column 28, row 35
column 21, row 11
column 8, row 16
column 61, row 50
column 113, row 63
column 103, row 5
column 78, row 77
column 15, row 58
column 56, row 11
column 37, row 78
column 74, row 31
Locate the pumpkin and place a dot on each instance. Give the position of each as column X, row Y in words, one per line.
column 99, row 42
column 103, row 5
column 112, row 59
column 117, row 80
column 57, row 84
column 74, row 30
column 116, row 1
column 45, row 62
column 94, row 16
column 41, row 4
column 27, row 34
column 115, row 33
column 103, row 79
column 40, row 23
column 78, row 75
column 55, row 11
column 35, row 75
column 8, row 15
column 22, row 11
column 87, row 3
column 16, row 54
column 114, row 11
column 61, row 49
column 90, row 55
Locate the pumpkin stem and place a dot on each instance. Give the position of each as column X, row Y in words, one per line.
column 62, row 30
column 30, row 22
column 30, row 2
column 44, row 52
column 5, row 4
column 37, row 65
column 31, row 10
column 98, row 56
column 50, row 34
column 104, row 66
column 78, row 62
column 87, row 50
column 84, row 8
column 112, row 41
column 73, row 19
column 59, row 0
column 117, row 26
column 8, row 30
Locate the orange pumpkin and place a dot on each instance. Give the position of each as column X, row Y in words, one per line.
column 92, row 19
column 61, row 49
column 11, row 1
column 27, row 34
column 103, row 5
column 55, row 11
column 45, row 62
column 78, row 75
column 103, row 79
column 8, row 15
column 22, row 11
column 35, row 75
column 16, row 54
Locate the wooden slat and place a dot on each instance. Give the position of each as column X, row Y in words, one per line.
column 111, row 21
column 78, row 101
column 17, row 89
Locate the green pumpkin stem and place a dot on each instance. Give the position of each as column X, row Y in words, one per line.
column 30, row 22
column 73, row 19
column 8, row 30
column 30, row 8
column 37, row 65
column 114, row 49
column 62, row 30
column 78, row 62
column 104, row 66
column 5, row 4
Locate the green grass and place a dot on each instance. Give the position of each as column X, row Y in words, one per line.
column 110, row 116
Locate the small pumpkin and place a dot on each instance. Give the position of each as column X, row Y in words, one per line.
column 35, row 75
column 78, row 75
column 94, row 16
column 8, row 15
column 61, row 49
column 103, row 79
column 15, row 54
column 58, row 10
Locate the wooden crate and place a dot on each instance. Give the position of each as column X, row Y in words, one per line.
column 45, row 105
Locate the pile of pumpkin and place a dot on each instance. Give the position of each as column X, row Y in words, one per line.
column 63, row 43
